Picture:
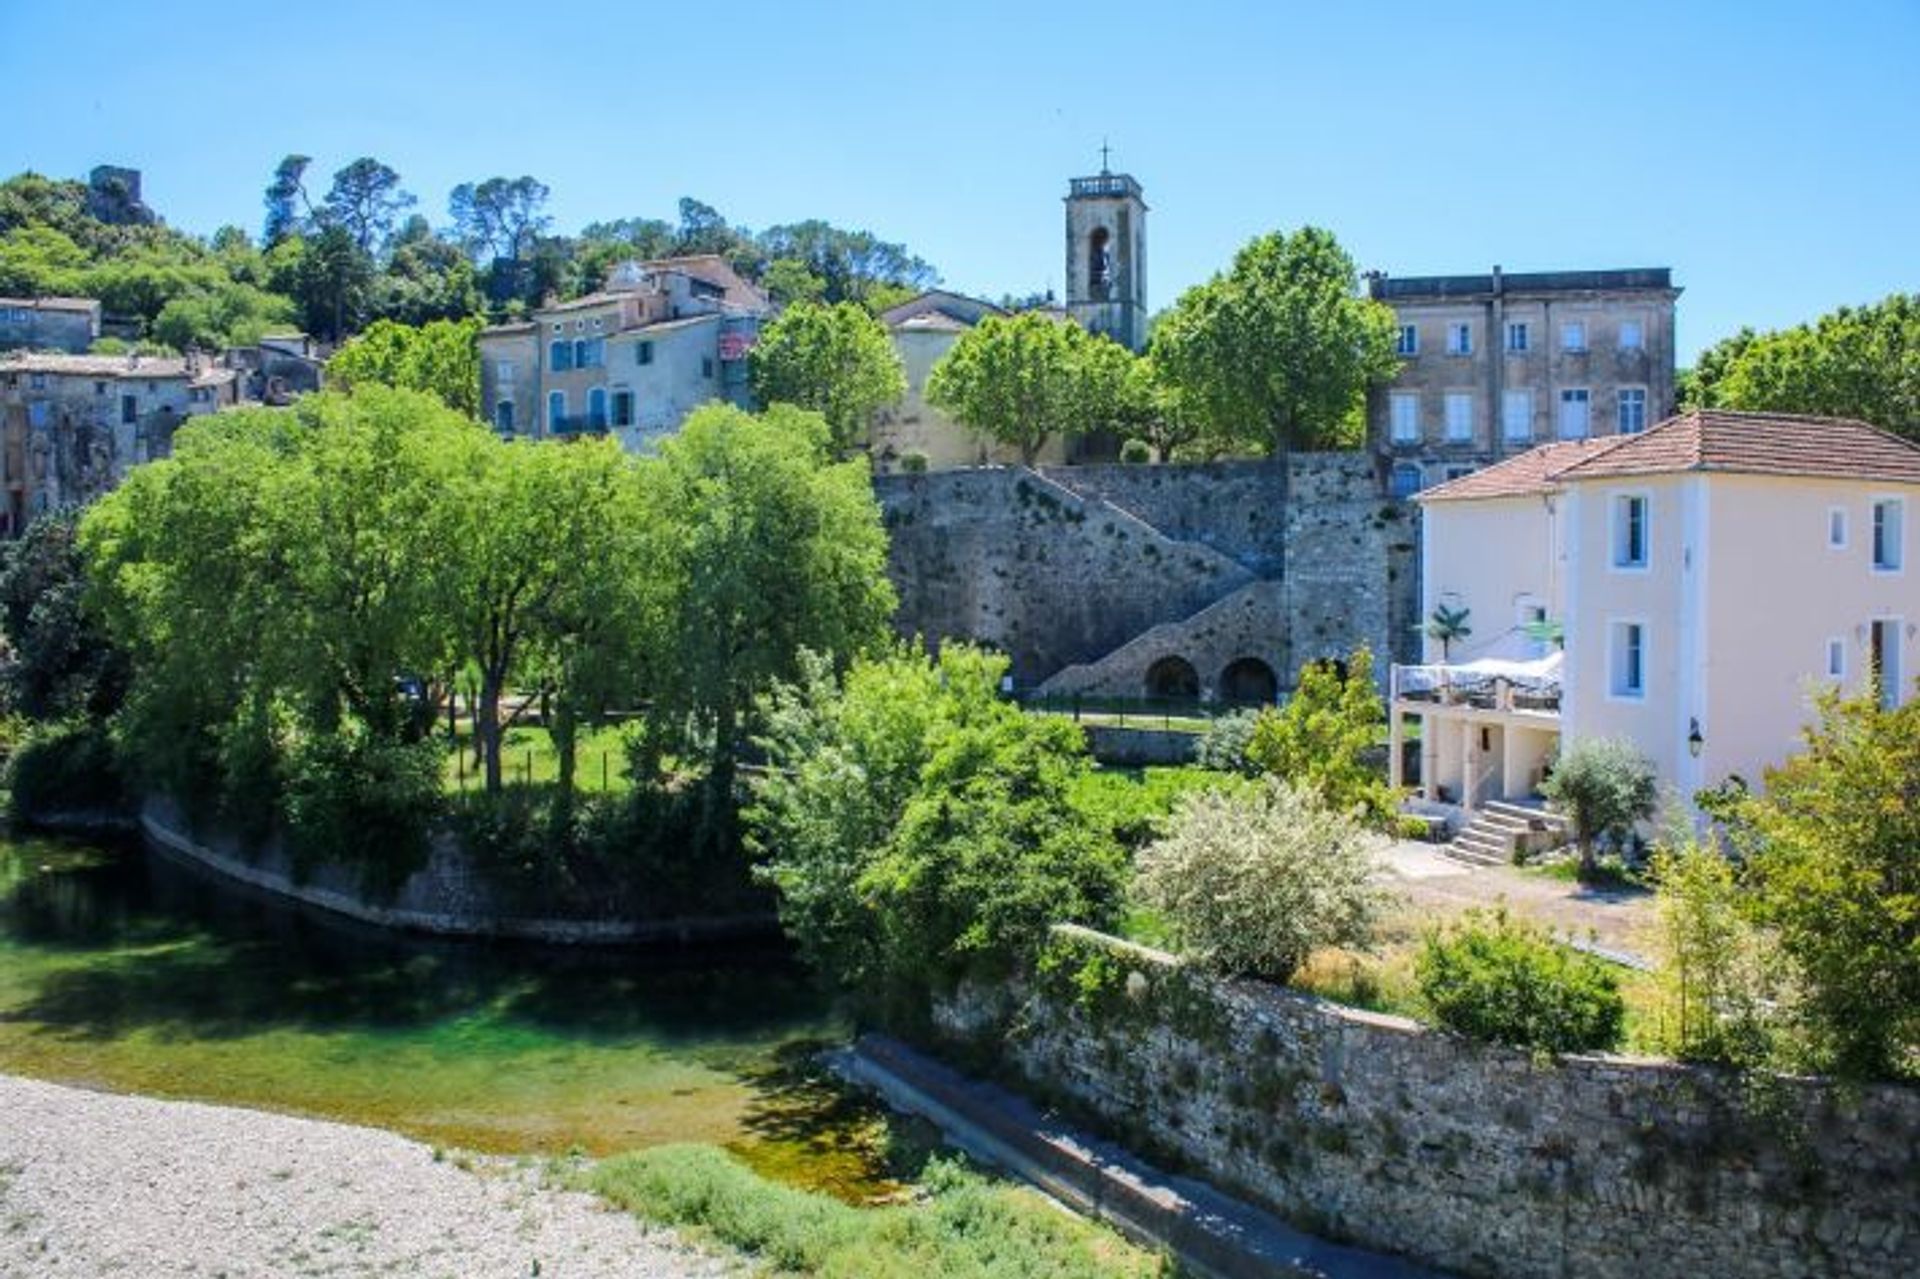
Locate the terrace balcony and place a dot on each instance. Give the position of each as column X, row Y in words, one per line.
column 1526, row 688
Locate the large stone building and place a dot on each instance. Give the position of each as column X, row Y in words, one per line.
column 1495, row 364
column 49, row 324
column 633, row 359
column 73, row 424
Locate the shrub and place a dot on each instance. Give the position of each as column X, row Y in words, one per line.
column 1136, row 453
column 364, row 801
column 1603, row 785
column 1493, row 978
column 1252, row 882
column 1323, row 738
column 913, row 463
column 66, row 768
column 1135, row 806
column 1224, row 745
column 1716, row 972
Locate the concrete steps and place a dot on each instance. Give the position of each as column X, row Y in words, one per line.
column 1497, row 829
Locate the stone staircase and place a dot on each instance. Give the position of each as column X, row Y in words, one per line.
column 1237, row 623
column 1497, row 829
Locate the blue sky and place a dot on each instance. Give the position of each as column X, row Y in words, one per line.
column 1768, row 152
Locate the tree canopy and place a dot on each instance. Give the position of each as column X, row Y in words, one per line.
column 1858, row 362
column 836, row 360
column 1022, row 380
column 441, row 358
column 1277, row 353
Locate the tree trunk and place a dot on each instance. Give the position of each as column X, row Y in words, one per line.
column 1588, row 864
column 563, row 731
column 486, row 728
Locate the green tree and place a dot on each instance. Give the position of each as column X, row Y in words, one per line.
column 1252, row 881
column 233, row 315
column 289, row 210
column 1022, row 379
column 1320, row 739
column 332, row 278
column 58, row 662
column 441, row 359
column 1857, row 362
column 775, row 549
column 787, row 281
column 1604, row 786
column 1834, row 835
column 1278, row 353
column 36, row 261
column 365, row 200
column 500, row 217
column 917, row 826
column 835, row 360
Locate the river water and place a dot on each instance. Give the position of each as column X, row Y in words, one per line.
column 121, row 970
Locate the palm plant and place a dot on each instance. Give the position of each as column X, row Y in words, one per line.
column 1446, row 625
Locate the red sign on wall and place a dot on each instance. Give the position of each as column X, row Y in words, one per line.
column 734, row 346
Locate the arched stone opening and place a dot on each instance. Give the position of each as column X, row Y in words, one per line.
column 1173, row 678
column 1249, row 680
column 1099, row 265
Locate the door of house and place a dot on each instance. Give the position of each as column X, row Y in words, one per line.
column 1884, row 654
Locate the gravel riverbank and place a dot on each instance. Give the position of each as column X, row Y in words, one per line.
column 100, row 1184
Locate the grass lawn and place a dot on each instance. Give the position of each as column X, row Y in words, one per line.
column 528, row 756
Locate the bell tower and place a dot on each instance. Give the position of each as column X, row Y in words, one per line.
column 1107, row 255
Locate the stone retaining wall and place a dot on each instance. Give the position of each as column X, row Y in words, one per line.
column 1481, row 1160
column 448, row 896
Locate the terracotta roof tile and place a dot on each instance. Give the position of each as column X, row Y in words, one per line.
column 1759, row 444
column 1535, row 471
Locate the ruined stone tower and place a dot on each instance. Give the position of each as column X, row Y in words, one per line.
column 1107, row 256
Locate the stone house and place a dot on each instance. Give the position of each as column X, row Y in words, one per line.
column 633, row 359
column 1492, row 365
column 72, row 425
column 49, row 324
column 1705, row 577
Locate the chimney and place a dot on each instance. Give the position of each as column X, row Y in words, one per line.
column 1497, row 283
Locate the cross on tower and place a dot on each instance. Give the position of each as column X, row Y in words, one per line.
column 1103, row 155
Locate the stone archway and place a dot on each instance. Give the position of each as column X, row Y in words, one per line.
column 1249, row 680
column 1173, row 679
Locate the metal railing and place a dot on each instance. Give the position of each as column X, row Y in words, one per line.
column 1452, row 686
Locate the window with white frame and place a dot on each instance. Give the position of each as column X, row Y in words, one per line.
column 1574, row 402
column 560, row 356
column 1404, row 407
column 1627, row 659
column 1836, row 659
column 597, row 408
column 1632, row 337
column 1630, row 531
column 1632, row 413
column 643, row 352
column 1516, row 415
column 1573, row 335
column 1837, row 528
column 1517, row 336
column 1408, row 341
column 1459, row 339
column 589, row 353
column 1459, row 417
column 503, row 370
column 1888, row 534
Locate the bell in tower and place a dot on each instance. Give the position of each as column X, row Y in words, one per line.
column 1107, row 255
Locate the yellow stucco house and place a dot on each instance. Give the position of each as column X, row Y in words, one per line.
column 1687, row 588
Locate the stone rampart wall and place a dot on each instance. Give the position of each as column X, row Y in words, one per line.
column 1063, row 568
column 450, row 895
column 1481, row 1160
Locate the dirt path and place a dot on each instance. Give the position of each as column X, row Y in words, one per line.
column 1614, row 919
column 100, row 1184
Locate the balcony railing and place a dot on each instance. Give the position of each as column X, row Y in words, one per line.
column 578, row 424
column 1478, row 689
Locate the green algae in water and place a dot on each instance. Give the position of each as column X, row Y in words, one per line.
column 122, row 971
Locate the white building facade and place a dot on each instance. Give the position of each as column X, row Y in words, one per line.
column 1689, row 589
